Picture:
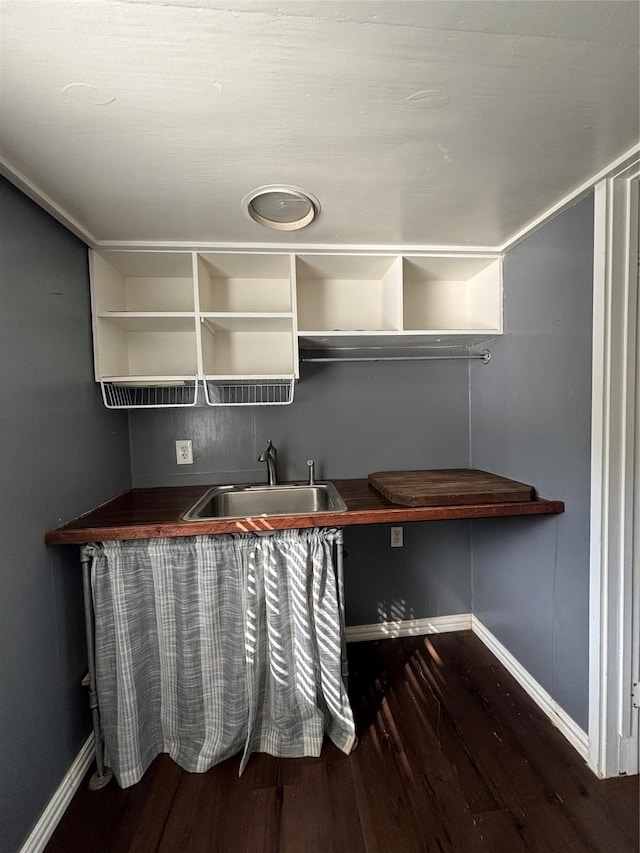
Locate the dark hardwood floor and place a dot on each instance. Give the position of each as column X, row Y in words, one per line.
column 452, row 757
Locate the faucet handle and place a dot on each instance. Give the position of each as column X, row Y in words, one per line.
column 270, row 450
column 312, row 472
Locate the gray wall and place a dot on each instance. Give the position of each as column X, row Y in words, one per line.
column 352, row 419
column 62, row 452
column 530, row 420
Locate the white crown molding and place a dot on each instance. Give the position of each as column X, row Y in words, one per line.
column 58, row 212
column 572, row 197
column 46, row 202
column 299, row 249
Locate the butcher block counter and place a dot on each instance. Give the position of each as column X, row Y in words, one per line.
column 157, row 512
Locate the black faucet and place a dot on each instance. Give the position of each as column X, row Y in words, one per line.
column 270, row 456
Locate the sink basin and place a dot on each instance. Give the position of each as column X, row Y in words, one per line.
column 250, row 501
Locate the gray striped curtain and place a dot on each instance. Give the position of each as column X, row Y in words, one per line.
column 208, row 646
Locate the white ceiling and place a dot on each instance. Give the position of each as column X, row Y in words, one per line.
column 199, row 102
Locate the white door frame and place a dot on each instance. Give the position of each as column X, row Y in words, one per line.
column 614, row 629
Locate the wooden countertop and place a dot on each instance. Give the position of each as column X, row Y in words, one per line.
column 157, row 512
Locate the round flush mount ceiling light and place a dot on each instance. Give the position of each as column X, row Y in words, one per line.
column 282, row 208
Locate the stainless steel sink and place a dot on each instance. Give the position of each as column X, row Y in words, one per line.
column 251, row 501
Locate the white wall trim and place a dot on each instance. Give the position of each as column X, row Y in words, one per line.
column 578, row 738
column 299, row 248
column 58, row 212
column 408, row 628
column 613, row 727
column 58, row 804
column 51, row 816
column 598, row 606
column 571, row 198
column 46, row 202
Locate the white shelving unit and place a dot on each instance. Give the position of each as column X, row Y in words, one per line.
column 441, row 295
column 247, row 319
column 144, row 315
column 237, row 319
column 348, row 294
column 351, row 301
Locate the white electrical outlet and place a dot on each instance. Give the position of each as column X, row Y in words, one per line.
column 184, row 452
column 396, row 537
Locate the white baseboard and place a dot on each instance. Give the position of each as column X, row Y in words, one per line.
column 408, row 628
column 50, row 817
column 43, row 830
column 578, row 738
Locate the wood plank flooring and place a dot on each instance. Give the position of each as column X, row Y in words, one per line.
column 452, row 757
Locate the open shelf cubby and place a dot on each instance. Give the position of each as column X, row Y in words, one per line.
column 252, row 347
column 130, row 346
column 142, row 281
column 445, row 293
column 244, row 283
column 347, row 293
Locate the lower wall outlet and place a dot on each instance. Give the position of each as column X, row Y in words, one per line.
column 396, row 537
column 184, row 452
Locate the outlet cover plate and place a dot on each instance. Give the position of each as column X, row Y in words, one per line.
column 396, row 537
column 184, row 452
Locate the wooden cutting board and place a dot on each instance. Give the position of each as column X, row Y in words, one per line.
column 448, row 486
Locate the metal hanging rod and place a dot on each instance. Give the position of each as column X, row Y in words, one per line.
column 484, row 357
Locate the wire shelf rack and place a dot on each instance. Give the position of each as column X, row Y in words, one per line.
column 149, row 393
column 277, row 392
